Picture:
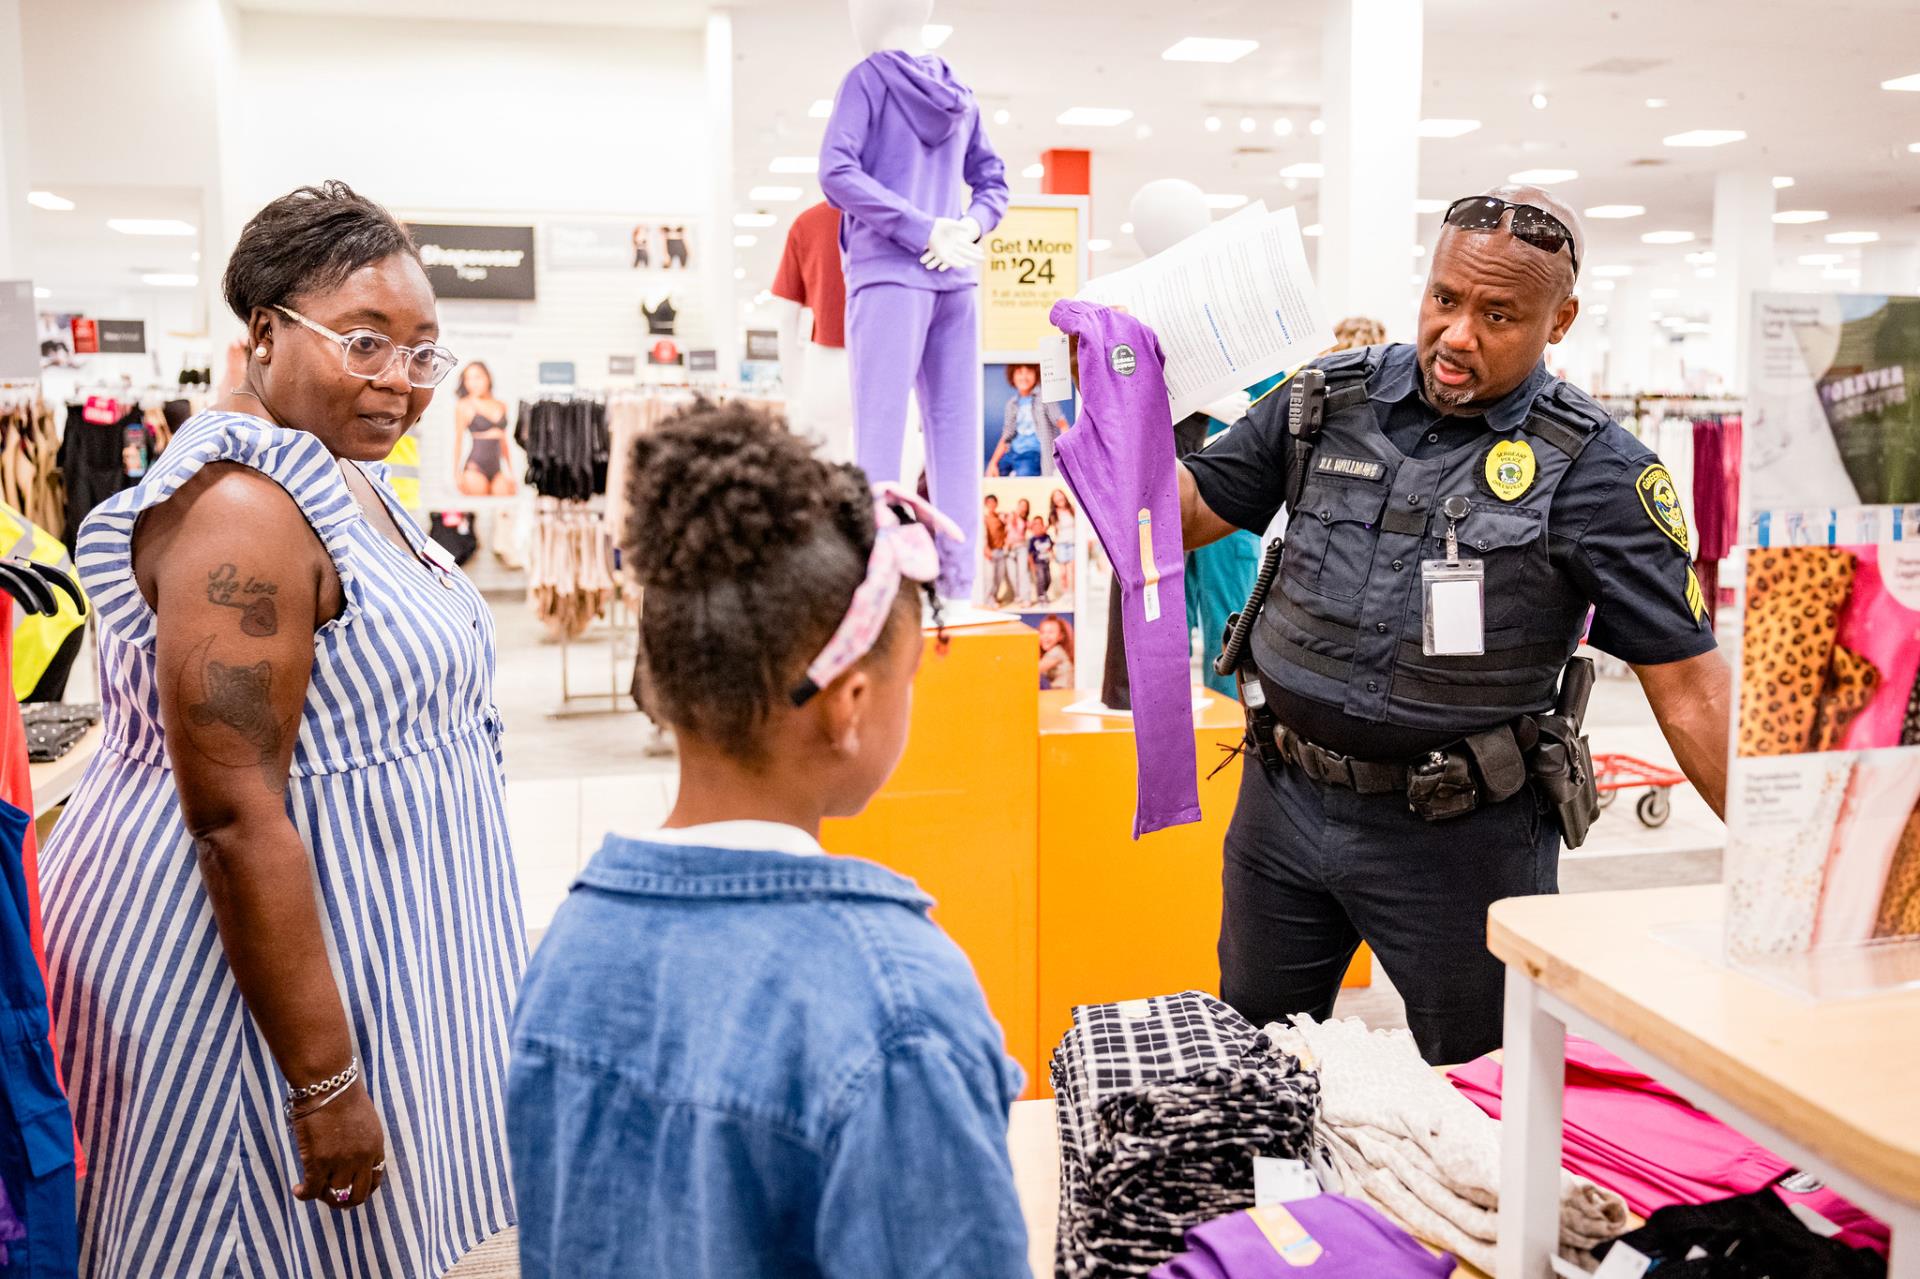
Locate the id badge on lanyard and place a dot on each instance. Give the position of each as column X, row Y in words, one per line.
column 1453, row 595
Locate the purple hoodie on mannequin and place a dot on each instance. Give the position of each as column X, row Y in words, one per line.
column 902, row 147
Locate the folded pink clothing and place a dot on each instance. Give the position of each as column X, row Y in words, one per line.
column 1630, row 1133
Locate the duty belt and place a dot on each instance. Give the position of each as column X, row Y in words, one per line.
column 1331, row 768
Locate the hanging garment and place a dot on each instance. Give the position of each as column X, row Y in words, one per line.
column 92, row 460
column 395, row 786
column 1119, row 459
column 660, row 318
column 900, row 339
column 1398, row 1135
column 1343, row 1239
column 570, row 574
column 1631, row 1133
column 1162, row 1104
column 36, row 1133
column 810, row 273
column 567, row 446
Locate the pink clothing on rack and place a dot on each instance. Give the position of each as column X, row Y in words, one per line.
column 1883, row 630
column 1628, row 1132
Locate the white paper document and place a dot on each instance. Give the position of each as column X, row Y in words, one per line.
column 1231, row 306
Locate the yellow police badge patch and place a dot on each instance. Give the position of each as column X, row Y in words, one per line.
column 1662, row 501
column 1510, row 469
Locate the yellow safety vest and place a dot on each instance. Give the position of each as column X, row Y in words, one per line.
column 403, row 474
column 37, row 637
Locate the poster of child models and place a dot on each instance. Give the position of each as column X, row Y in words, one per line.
column 1824, row 805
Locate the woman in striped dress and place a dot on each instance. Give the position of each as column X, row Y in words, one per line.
column 283, row 927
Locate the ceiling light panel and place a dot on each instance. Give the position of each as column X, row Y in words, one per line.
column 1853, row 237
column 49, row 201
column 1304, row 169
column 1543, row 177
column 1099, row 246
column 1905, row 84
column 935, row 34
column 776, row 195
column 169, row 280
column 1821, row 259
column 1781, row 184
column 821, row 109
column 1705, row 137
column 1612, row 272
column 1667, row 237
column 1035, row 170
column 1798, row 217
column 1224, row 200
column 1311, row 230
column 1094, row 117
column 794, row 164
column 151, row 226
column 1430, row 206
column 1209, row 49
column 1608, row 211
column 745, row 241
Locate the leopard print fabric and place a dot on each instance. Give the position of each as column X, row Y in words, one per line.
column 1794, row 598
column 1900, row 903
column 1851, row 683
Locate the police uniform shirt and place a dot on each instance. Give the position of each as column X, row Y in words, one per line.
column 1630, row 564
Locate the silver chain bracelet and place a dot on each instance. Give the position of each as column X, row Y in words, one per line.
column 334, row 1084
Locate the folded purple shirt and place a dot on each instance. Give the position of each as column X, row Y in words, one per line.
column 1354, row 1242
column 902, row 147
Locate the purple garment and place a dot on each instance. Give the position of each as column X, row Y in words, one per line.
column 902, row 147
column 1356, row 1242
column 901, row 339
column 12, row 1229
column 1119, row 458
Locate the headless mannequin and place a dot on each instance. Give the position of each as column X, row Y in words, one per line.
column 902, row 151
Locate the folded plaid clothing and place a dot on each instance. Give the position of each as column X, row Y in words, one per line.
column 1163, row 1103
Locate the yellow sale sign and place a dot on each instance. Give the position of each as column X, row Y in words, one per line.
column 1033, row 260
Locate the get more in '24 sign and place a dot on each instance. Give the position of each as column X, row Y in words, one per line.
column 1033, row 260
column 491, row 262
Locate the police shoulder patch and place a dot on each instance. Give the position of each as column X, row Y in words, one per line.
column 1662, row 502
column 1511, row 468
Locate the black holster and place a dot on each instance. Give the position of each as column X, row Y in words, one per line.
column 1562, row 761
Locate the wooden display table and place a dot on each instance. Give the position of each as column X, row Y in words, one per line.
column 1833, row 1086
column 53, row 782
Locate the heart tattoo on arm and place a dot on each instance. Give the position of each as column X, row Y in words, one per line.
column 253, row 599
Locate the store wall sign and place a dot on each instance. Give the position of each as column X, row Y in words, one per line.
column 86, row 336
column 556, row 373
column 19, row 332
column 589, row 246
column 1033, row 260
column 707, row 361
column 492, row 262
column 622, row 365
column 123, row 337
column 763, row 344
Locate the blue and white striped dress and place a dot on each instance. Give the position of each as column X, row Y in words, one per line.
column 396, row 787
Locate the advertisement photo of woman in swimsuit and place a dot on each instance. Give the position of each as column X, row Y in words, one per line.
column 480, row 419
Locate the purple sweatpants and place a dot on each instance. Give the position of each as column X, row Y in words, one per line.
column 901, row 339
column 1119, row 459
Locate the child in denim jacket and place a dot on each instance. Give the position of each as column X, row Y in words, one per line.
column 736, row 1055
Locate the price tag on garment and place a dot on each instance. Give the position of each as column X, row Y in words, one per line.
column 1056, row 367
column 1289, row 1238
column 1813, row 1221
column 1281, row 1181
column 1624, row 1261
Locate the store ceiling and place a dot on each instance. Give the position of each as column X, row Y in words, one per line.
column 1801, row 79
column 89, row 264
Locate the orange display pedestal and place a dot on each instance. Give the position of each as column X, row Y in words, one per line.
column 1017, row 819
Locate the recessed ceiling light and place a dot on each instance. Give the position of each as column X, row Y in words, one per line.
column 753, row 219
column 1853, row 237
column 1794, row 217
column 1304, row 169
column 1914, row 147
column 1035, row 170
column 821, row 109
column 151, row 226
column 1672, row 321
column 1126, row 228
column 1003, row 116
column 1316, row 127
column 1603, row 284
column 1616, row 211
column 1704, row 273
column 1225, row 201
column 1248, row 124
column 1664, row 295
column 49, row 201
column 1283, row 127
column 1209, row 49
column 1656, row 104
column 1705, row 137
column 1667, row 237
column 739, row 273
column 1542, row 177
column 794, row 164
column 745, row 241
column 1781, row 184
column 1440, row 127
column 1612, row 272
column 1311, row 230
column 934, row 34
column 42, row 294
column 1703, row 258
column 1416, row 279
column 1143, row 131
column 1430, row 206
column 1821, row 259
column 1419, row 250
column 1099, row 246
column 1905, row 84
column 170, row 280
column 1213, row 123
column 778, row 195
column 1094, row 117
column 1539, row 101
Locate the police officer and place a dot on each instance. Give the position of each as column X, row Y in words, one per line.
column 1459, row 512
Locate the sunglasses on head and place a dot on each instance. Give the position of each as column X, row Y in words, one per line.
column 1531, row 223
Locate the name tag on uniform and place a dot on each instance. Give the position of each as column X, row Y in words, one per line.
column 1454, row 594
column 1358, row 468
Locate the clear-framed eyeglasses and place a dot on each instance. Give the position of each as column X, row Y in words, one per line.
column 369, row 355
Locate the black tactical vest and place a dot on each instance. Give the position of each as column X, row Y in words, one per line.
column 1344, row 625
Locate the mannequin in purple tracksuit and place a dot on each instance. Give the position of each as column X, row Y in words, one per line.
column 902, row 150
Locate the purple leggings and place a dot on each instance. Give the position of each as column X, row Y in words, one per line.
column 1119, row 458
column 924, row 340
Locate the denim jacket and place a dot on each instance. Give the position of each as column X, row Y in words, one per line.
column 736, row 1063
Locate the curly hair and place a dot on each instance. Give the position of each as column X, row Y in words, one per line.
column 749, row 547
column 312, row 238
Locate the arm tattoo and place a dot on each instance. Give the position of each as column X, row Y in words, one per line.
column 236, row 699
column 252, row 597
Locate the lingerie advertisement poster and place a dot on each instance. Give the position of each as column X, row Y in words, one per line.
column 1824, row 801
column 1834, row 401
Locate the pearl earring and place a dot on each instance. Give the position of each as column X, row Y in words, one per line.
column 260, row 352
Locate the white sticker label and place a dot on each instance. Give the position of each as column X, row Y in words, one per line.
column 1282, row 1181
column 1457, row 621
column 1624, row 1261
column 1136, row 1009
column 1056, row 368
column 1814, row 1221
